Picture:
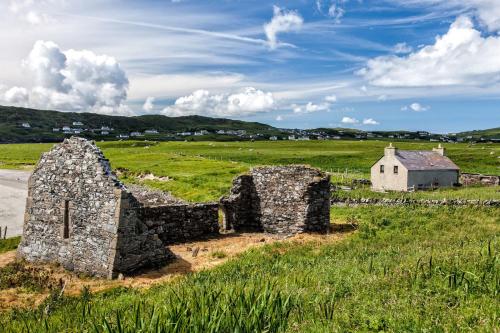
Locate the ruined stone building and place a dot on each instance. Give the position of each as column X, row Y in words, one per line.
column 78, row 214
column 402, row 170
column 279, row 200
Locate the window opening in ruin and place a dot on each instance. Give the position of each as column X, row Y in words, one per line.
column 396, row 169
column 382, row 168
column 66, row 219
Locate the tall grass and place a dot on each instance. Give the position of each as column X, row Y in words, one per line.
column 407, row 269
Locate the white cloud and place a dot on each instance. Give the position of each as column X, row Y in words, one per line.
column 282, row 21
column 402, row 48
column 149, row 104
column 460, row 57
column 331, row 98
column 382, row 98
column 15, row 96
column 201, row 102
column 486, row 11
column 335, row 9
column 417, row 107
column 279, row 118
column 310, row 107
column 336, row 12
column 349, row 120
column 370, row 121
column 74, row 80
column 29, row 11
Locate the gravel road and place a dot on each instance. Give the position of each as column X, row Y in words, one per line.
column 13, row 192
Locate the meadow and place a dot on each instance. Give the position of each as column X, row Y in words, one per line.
column 416, row 269
column 203, row 171
column 403, row 269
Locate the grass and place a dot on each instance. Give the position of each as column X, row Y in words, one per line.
column 464, row 193
column 417, row 269
column 203, row 171
column 9, row 244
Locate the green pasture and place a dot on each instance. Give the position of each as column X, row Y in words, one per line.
column 201, row 171
column 406, row 269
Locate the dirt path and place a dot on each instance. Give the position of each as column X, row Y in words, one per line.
column 210, row 253
column 13, row 192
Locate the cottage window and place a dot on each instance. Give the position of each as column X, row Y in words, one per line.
column 381, row 168
column 396, row 169
column 66, row 220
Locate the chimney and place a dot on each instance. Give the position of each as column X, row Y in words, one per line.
column 390, row 151
column 440, row 150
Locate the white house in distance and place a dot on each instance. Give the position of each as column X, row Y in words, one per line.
column 403, row 170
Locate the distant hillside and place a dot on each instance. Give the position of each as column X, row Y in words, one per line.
column 492, row 133
column 42, row 124
column 30, row 125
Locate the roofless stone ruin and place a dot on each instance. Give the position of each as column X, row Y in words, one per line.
column 78, row 214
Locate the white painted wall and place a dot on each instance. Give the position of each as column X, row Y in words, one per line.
column 388, row 180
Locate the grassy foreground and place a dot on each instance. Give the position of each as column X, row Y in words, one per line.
column 202, row 171
column 417, row 269
column 9, row 244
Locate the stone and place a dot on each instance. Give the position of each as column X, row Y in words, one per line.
column 78, row 214
column 282, row 200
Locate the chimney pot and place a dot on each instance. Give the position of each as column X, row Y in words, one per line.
column 390, row 151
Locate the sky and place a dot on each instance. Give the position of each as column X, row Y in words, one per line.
column 369, row 64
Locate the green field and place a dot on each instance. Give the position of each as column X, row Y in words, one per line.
column 201, row 171
column 405, row 269
column 423, row 269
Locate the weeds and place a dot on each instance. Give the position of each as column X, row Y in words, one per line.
column 9, row 244
column 219, row 254
column 20, row 275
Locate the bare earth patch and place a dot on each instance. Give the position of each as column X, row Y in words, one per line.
column 191, row 257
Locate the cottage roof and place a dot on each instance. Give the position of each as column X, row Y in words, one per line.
column 424, row 160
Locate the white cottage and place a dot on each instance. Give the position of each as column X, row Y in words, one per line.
column 403, row 170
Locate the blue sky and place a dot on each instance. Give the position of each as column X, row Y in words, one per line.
column 375, row 65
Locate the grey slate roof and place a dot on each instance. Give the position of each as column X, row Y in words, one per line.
column 424, row 160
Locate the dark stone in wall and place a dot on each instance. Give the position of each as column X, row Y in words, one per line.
column 468, row 179
column 182, row 223
column 279, row 200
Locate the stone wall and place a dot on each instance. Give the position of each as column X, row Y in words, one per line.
column 479, row 179
column 279, row 200
column 181, row 222
column 408, row 202
column 137, row 246
column 79, row 215
column 242, row 207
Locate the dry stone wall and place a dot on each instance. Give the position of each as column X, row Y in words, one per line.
column 407, row 202
column 182, row 222
column 279, row 200
column 479, row 179
column 79, row 215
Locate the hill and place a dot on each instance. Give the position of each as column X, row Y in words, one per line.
column 492, row 133
column 19, row 125
column 40, row 125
